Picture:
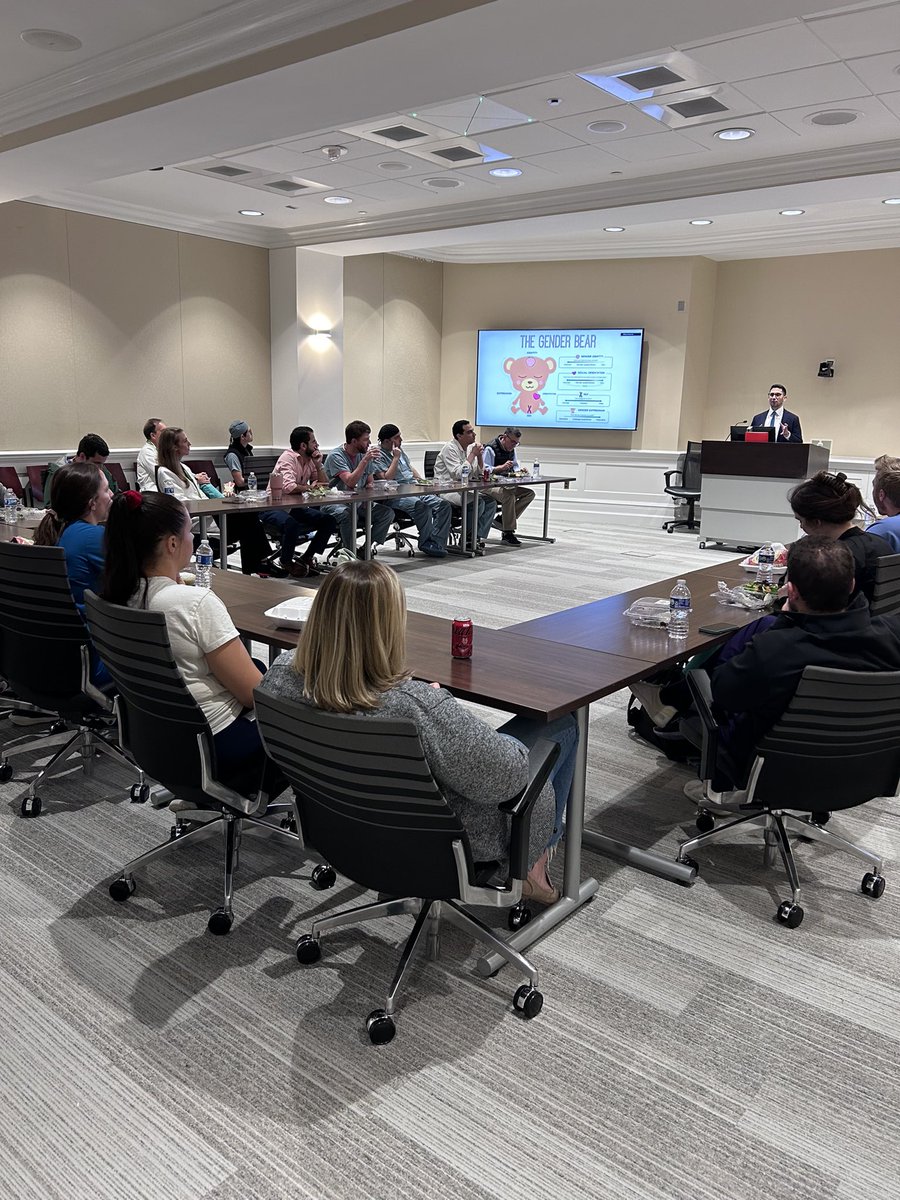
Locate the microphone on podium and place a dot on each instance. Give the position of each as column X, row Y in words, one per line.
column 734, row 427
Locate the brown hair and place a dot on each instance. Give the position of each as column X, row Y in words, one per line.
column 353, row 648
column 887, row 480
column 823, row 572
column 828, row 498
column 74, row 487
column 137, row 523
column 167, row 451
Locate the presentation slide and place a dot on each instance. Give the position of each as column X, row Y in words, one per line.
column 559, row 378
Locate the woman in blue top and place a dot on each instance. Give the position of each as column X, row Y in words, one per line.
column 81, row 500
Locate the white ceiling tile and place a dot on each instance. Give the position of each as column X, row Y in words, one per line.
column 332, row 137
column 770, row 135
column 577, row 162
column 879, row 72
column 472, row 116
column 525, row 140
column 659, row 145
column 636, row 123
column 530, row 172
column 472, row 188
column 393, row 190
column 271, row 158
column 756, row 54
column 875, row 123
column 892, row 102
column 809, row 85
column 574, row 95
column 869, row 31
column 339, row 175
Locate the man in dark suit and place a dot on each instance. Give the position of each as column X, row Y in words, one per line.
column 787, row 424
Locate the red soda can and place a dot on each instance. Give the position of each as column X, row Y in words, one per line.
column 461, row 638
column 487, row 474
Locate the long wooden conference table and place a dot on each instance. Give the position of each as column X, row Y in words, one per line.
column 222, row 509
column 541, row 669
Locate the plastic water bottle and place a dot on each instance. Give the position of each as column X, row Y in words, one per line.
column 251, row 485
column 766, row 559
column 680, row 610
column 465, row 472
column 10, row 507
column 203, row 560
column 535, row 470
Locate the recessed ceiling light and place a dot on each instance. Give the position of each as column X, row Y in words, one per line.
column 250, row 212
column 363, row 212
column 607, row 126
column 505, row 172
column 734, row 135
column 442, row 181
column 833, row 116
column 613, row 228
column 338, row 200
column 701, row 221
column 553, row 101
column 892, row 200
column 792, row 212
column 50, row 39
column 394, row 165
column 617, row 172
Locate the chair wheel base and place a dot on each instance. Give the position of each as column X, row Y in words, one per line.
column 687, row 861
column 31, row 806
column 323, row 877
column 308, row 950
column 528, row 1001
column 123, row 887
column 519, row 916
column 220, row 922
column 789, row 914
column 140, row 793
column 872, row 885
column 380, row 1027
column 6, row 771
column 289, row 824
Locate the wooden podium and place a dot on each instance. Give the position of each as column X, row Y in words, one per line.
column 745, row 489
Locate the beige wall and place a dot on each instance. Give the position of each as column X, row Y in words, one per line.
column 643, row 292
column 777, row 318
column 392, row 343
column 104, row 323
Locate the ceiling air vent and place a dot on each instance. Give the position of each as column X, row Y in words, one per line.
column 703, row 106
column 286, row 185
column 650, row 78
column 457, row 154
column 226, row 172
column 399, row 133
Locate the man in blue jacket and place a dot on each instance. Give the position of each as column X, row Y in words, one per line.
column 787, row 424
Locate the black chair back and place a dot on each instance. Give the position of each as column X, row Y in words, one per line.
column 366, row 798
column 431, row 457
column 691, row 475
column 36, row 474
column 160, row 722
column 885, row 600
column 837, row 744
column 118, row 473
column 199, row 465
column 44, row 647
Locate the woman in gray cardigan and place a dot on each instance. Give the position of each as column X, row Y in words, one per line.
column 351, row 659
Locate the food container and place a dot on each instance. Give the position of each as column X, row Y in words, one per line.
column 650, row 611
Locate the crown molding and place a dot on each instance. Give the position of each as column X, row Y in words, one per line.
column 242, row 28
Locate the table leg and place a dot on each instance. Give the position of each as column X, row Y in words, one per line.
column 223, row 541
column 576, row 891
column 367, row 552
column 354, row 517
column 533, row 537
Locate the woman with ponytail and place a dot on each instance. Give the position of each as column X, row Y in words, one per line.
column 826, row 506
column 81, row 499
column 148, row 544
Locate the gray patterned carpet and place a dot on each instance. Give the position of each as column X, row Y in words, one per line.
column 689, row 1047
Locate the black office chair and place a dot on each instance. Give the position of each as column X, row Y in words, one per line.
column 835, row 747
column 367, row 802
column 163, row 728
column 885, row 600
column 45, row 655
column 431, row 457
column 687, row 490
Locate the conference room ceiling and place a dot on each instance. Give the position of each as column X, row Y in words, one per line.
column 403, row 111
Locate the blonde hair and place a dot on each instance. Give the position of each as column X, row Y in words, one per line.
column 887, row 462
column 353, row 648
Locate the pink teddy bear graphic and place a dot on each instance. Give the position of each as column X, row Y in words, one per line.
column 529, row 375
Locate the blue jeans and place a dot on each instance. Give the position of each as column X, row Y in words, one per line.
column 564, row 732
column 431, row 515
column 291, row 524
column 382, row 516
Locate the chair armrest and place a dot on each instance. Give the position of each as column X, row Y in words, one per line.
column 669, row 474
column 700, row 687
column 541, row 759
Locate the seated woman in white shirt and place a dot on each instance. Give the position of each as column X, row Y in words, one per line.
column 173, row 472
column 148, row 543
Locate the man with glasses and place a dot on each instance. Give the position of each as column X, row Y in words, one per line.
column 786, row 424
column 501, row 459
column 463, row 449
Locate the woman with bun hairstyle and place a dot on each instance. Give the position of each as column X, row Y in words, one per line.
column 148, row 543
column 352, row 659
column 826, row 506
column 81, row 500
column 174, row 446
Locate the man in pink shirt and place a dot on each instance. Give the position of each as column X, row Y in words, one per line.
column 301, row 468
